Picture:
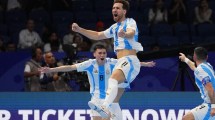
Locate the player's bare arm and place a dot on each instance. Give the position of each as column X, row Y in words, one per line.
column 211, row 94
column 183, row 58
column 65, row 68
column 148, row 64
column 94, row 35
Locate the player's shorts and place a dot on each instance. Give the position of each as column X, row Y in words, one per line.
column 98, row 102
column 202, row 112
column 130, row 65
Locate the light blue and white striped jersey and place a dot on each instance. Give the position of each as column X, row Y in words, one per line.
column 97, row 75
column 124, row 43
column 204, row 73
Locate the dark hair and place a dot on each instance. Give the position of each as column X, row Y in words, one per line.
column 201, row 53
column 34, row 51
column 125, row 3
column 99, row 47
column 155, row 8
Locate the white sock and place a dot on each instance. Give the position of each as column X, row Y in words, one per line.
column 111, row 92
column 116, row 110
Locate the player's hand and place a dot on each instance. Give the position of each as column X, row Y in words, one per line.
column 75, row 27
column 122, row 33
column 182, row 57
column 212, row 111
column 150, row 64
column 44, row 70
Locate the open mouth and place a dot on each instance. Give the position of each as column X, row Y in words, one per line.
column 115, row 15
column 102, row 58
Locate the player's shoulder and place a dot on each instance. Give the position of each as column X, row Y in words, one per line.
column 90, row 61
column 200, row 68
column 131, row 20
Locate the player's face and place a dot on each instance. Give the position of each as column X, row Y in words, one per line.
column 118, row 12
column 100, row 55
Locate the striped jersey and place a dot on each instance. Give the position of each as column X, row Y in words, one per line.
column 98, row 75
column 124, row 43
column 204, row 73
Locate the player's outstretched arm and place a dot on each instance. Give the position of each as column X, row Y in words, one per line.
column 94, row 35
column 148, row 64
column 183, row 58
column 65, row 68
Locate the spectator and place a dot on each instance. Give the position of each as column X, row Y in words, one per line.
column 46, row 31
column 158, row 14
column 177, row 13
column 99, row 26
column 31, row 73
column 54, row 44
column 29, row 38
column 80, row 43
column 203, row 13
column 107, row 43
column 11, row 46
column 13, row 4
column 53, row 81
column 68, row 38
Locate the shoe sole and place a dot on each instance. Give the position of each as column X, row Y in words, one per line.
column 98, row 109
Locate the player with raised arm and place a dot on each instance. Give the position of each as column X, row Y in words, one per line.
column 126, row 45
column 99, row 71
column 205, row 80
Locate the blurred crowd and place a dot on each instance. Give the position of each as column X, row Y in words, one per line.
column 46, row 23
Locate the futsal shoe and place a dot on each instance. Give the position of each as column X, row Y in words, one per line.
column 104, row 113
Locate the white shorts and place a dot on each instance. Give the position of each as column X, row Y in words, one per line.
column 130, row 65
column 98, row 101
column 202, row 112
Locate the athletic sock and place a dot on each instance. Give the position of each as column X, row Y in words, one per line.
column 111, row 92
column 116, row 110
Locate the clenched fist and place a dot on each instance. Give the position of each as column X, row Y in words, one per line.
column 75, row 27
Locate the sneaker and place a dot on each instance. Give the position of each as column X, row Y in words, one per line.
column 101, row 110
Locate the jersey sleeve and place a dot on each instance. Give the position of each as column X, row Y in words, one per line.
column 109, row 32
column 203, row 76
column 132, row 24
column 83, row 65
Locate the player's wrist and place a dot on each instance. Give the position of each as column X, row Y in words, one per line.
column 186, row 60
column 212, row 105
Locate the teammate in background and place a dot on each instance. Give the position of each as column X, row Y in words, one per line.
column 99, row 71
column 125, row 34
column 205, row 80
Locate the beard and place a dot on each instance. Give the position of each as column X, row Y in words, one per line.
column 116, row 17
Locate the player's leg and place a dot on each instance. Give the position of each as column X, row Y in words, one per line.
column 116, row 112
column 116, row 78
column 111, row 95
column 96, row 118
column 124, row 73
column 201, row 112
column 188, row 116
